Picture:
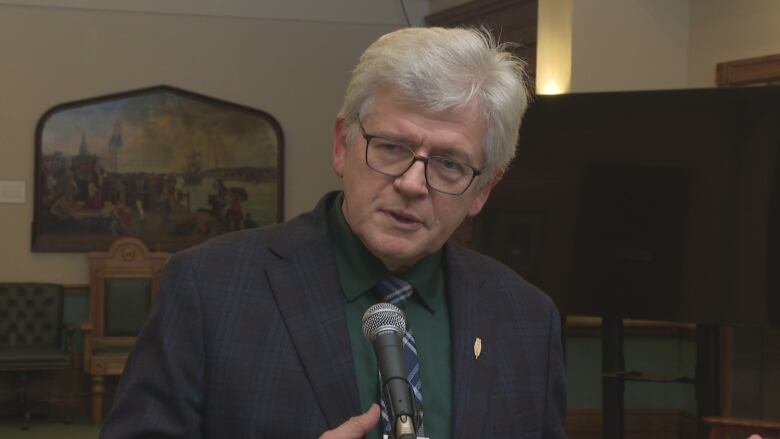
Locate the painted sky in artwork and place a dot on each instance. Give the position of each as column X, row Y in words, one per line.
column 161, row 130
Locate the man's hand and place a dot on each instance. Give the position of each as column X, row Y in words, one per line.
column 355, row 427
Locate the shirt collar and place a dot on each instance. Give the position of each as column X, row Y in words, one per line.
column 359, row 270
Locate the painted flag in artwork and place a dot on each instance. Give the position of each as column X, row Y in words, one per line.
column 116, row 136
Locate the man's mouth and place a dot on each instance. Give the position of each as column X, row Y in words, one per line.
column 403, row 218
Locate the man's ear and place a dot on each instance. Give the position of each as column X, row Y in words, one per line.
column 483, row 195
column 339, row 157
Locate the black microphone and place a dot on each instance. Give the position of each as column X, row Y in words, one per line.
column 384, row 325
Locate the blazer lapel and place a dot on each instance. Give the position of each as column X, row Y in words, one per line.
column 472, row 326
column 308, row 292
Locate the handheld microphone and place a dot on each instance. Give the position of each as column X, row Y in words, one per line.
column 384, row 325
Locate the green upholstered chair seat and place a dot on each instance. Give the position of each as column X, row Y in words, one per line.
column 111, row 351
column 33, row 358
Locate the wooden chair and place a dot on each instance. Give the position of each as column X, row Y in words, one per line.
column 724, row 428
column 123, row 282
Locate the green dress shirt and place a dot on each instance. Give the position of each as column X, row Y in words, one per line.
column 426, row 311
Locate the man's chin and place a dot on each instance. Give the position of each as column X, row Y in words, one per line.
column 398, row 258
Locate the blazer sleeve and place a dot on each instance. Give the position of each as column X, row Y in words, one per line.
column 555, row 408
column 161, row 391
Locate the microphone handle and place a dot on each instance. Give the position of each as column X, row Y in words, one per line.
column 389, row 350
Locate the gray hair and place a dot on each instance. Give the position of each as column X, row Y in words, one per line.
column 438, row 69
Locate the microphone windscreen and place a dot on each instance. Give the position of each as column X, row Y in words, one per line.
column 383, row 317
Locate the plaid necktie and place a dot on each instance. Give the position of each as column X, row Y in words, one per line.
column 394, row 290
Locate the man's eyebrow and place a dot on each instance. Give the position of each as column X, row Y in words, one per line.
column 392, row 138
column 451, row 151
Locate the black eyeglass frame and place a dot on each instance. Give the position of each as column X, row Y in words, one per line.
column 415, row 158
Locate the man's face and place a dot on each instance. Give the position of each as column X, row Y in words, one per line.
column 400, row 219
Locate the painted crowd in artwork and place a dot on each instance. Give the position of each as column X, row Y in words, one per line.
column 159, row 166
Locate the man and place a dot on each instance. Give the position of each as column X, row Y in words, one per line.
column 257, row 333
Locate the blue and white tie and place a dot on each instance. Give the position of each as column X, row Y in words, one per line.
column 394, row 290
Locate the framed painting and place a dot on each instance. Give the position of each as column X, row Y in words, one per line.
column 167, row 166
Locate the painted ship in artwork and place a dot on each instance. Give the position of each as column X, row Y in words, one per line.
column 165, row 167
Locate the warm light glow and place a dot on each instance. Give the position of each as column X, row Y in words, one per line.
column 553, row 48
column 550, row 87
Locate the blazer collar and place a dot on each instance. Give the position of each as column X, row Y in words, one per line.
column 472, row 326
column 305, row 283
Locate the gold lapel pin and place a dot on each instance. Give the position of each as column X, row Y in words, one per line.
column 477, row 347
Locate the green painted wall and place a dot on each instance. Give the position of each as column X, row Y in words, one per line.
column 671, row 356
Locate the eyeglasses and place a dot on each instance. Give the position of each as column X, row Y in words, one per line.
column 393, row 158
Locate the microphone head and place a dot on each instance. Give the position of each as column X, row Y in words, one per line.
column 383, row 317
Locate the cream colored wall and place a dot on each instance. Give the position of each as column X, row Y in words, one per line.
column 726, row 30
column 629, row 45
column 338, row 11
column 661, row 44
column 440, row 5
column 294, row 70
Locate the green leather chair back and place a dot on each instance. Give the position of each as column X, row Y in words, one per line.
column 30, row 314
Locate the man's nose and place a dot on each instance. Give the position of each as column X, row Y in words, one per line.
column 412, row 181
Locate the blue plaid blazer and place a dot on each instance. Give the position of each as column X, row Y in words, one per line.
column 248, row 339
